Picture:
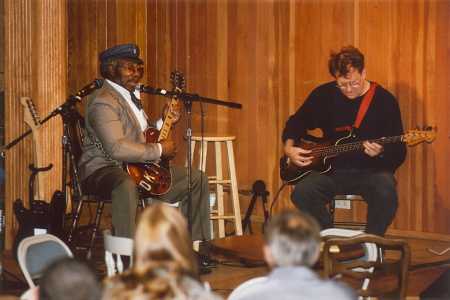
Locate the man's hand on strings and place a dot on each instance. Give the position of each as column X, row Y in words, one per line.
column 372, row 149
column 298, row 156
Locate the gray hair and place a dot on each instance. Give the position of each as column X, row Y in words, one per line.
column 293, row 238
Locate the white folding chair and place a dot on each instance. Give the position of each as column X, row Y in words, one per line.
column 36, row 253
column 115, row 248
column 30, row 294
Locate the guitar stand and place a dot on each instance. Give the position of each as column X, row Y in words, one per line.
column 258, row 189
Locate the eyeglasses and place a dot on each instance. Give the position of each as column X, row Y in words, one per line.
column 132, row 66
column 351, row 84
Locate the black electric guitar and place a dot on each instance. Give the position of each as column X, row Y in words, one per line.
column 40, row 216
column 323, row 152
column 154, row 179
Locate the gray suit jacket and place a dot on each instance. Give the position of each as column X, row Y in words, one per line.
column 110, row 121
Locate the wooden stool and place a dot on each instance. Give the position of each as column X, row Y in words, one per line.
column 219, row 181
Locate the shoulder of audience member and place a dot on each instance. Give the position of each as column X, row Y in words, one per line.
column 198, row 290
column 341, row 291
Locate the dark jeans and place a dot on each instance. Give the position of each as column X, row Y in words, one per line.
column 378, row 189
column 115, row 184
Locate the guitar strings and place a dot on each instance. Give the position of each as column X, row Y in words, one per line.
column 324, row 151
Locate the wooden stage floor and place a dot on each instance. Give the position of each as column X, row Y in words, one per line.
column 426, row 267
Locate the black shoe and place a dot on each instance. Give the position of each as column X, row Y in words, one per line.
column 204, row 264
column 206, row 261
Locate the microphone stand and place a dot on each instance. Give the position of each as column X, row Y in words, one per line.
column 68, row 104
column 188, row 99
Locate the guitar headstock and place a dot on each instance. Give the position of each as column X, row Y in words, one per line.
column 30, row 115
column 178, row 81
column 416, row 136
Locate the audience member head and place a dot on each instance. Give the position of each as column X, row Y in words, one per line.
column 162, row 240
column 163, row 256
column 69, row 279
column 292, row 239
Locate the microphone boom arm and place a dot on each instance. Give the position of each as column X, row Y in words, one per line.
column 71, row 100
column 187, row 97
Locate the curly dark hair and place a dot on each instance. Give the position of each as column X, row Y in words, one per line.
column 339, row 63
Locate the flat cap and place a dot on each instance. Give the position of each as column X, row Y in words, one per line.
column 130, row 51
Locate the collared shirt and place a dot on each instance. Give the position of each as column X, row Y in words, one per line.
column 139, row 113
column 293, row 283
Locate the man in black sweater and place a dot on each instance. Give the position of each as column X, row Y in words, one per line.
column 337, row 108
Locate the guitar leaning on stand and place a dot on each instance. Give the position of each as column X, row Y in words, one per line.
column 40, row 217
column 154, row 178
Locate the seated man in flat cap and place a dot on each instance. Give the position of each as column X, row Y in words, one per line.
column 115, row 122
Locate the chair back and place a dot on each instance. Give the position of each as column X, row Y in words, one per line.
column 387, row 273
column 76, row 133
column 36, row 253
column 115, row 249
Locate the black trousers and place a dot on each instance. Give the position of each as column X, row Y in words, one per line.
column 378, row 188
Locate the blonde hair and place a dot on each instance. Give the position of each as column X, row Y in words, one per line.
column 163, row 258
column 162, row 240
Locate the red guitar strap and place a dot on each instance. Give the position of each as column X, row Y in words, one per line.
column 365, row 103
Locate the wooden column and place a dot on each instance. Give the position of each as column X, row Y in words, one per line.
column 36, row 67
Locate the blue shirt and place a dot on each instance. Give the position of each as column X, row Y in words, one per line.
column 294, row 283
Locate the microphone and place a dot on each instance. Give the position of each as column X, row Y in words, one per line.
column 96, row 84
column 154, row 91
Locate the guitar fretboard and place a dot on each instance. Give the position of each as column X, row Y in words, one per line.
column 354, row 146
column 168, row 121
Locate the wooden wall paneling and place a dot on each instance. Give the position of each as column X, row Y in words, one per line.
column 437, row 208
column 35, row 66
column 15, row 49
column 2, row 48
column 284, row 89
column 196, row 57
column 264, row 156
column 441, row 104
column 406, row 30
column 152, row 63
column 243, row 123
column 159, row 58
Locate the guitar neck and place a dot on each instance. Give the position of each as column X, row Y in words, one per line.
column 31, row 118
column 354, row 146
column 168, row 121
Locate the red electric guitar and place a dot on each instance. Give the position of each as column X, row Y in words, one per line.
column 154, row 179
